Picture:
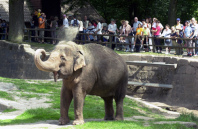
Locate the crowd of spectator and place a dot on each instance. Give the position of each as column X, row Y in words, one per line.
column 138, row 32
column 4, row 28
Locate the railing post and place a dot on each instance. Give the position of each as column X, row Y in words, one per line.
column 153, row 43
column 29, row 36
column 110, row 40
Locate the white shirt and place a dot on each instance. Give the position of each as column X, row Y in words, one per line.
column 112, row 27
column 65, row 22
column 166, row 32
column 81, row 26
column 99, row 26
column 72, row 22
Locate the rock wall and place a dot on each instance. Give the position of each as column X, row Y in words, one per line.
column 184, row 79
column 17, row 61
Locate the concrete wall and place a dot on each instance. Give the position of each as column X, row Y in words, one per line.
column 184, row 79
column 17, row 61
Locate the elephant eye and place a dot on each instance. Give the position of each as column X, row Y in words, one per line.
column 63, row 58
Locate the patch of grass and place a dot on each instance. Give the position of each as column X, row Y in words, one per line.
column 9, row 110
column 6, row 95
column 111, row 125
column 28, row 96
column 33, row 115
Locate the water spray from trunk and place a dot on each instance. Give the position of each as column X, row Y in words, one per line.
column 67, row 34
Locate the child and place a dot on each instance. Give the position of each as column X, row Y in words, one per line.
column 138, row 33
column 145, row 34
column 105, row 31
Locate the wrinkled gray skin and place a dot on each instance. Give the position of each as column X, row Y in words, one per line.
column 86, row 69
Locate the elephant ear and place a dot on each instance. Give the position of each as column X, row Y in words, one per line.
column 79, row 62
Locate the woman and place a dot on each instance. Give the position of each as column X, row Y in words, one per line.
column 156, row 33
column 167, row 42
column 53, row 26
column 149, row 23
column 138, row 36
column 145, row 34
column 90, row 30
column 80, row 29
column 173, row 35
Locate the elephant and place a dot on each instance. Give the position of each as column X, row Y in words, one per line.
column 89, row 69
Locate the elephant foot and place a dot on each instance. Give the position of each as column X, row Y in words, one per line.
column 78, row 122
column 119, row 118
column 109, row 118
column 63, row 121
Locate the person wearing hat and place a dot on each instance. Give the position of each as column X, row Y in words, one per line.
column 187, row 34
column 112, row 28
column 65, row 21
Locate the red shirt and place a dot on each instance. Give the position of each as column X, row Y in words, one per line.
column 158, row 30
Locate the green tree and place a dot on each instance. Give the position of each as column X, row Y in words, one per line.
column 16, row 19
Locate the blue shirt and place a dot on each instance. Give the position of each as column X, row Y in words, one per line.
column 188, row 31
column 135, row 25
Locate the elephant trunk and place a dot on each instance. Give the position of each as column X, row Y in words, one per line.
column 47, row 66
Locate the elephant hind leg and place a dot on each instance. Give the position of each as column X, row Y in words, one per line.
column 119, row 109
column 109, row 111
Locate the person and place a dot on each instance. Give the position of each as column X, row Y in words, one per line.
column 85, row 26
column 105, row 32
column 65, row 21
column 94, row 23
column 187, row 34
column 135, row 25
column 153, row 28
column 104, row 24
column 1, row 29
column 156, row 35
column 145, row 34
column 90, row 30
column 138, row 35
column 149, row 23
column 53, row 26
column 179, row 51
column 32, row 27
column 35, row 22
column 80, row 29
column 122, row 32
column 41, row 27
column 112, row 28
column 39, row 13
column 128, row 40
column 98, row 29
column 167, row 42
column 194, row 27
column 75, row 22
column 4, row 28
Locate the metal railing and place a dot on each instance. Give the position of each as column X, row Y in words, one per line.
column 110, row 41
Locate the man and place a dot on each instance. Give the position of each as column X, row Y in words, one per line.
column 98, row 30
column 85, row 26
column 194, row 27
column 135, row 25
column 75, row 22
column 65, row 21
column 112, row 28
column 41, row 26
column 187, row 34
column 127, row 33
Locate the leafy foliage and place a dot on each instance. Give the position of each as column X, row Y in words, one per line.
column 128, row 9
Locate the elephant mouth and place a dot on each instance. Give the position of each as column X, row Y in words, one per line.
column 56, row 76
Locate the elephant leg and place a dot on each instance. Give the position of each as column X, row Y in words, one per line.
column 119, row 108
column 109, row 111
column 79, row 97
column 66, row 98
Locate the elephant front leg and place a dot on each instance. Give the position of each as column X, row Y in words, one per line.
column 66, row 98
column 79, row 97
